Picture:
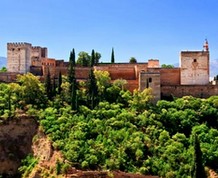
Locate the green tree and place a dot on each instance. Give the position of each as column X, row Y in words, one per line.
column 97, row 57
column 54, row 92
column 141, row 99
column 73, row 97
column 71, row 73
column 32, row 91
column 112, row 56
column 132, row 60
column 197, row 167
column 92, row 89
column 72, row 81
column 3, row 69
column 92, row 58
column 48, row 85
column 103, row 81
column 83, row 59
column 169, row 66
column 59, row 82
column 121, row 83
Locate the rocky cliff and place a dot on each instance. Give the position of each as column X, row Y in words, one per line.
column 15, row 142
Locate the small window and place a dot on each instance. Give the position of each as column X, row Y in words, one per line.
column 195, row 60
column 150, row 80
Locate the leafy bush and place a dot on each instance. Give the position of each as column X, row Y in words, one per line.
column 27, row 165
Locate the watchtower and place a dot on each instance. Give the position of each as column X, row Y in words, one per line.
column 19, row 57
column 195, row 66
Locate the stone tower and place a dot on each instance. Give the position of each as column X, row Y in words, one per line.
column 195, row 67
column 23, row 55
column 150, row 80
column 19, row 57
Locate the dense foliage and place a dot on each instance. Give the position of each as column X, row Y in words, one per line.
column 124, row 131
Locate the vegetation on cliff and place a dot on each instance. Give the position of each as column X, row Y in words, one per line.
column 119, row 130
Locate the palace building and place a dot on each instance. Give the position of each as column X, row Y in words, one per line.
column 191, row 78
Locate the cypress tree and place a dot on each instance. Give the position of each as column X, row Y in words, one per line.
column 71, row 75
column 48, row 85
column 112, row 56
column 54, row 87
column 72, row 81
column 92, row 89
column 92, row 58
column 73, row 98
column 59, row 82
column 197, row 167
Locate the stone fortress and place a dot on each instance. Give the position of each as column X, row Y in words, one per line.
column 191, row 78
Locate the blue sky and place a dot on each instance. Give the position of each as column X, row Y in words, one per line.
column 144, row 29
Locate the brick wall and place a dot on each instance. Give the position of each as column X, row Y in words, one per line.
column 201, row 91
column 8, row 77
column 170, row 76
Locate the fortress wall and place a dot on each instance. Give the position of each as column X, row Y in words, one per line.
column 8, row 77
column 127, row 74
column 125, row 65
column 201, row 91
column 153, row 63
column 125, row 71
column 82, row 72
column 63, row 70
column 48, row 64
column 36, row 52
column 61, row 63
column 170, row 76
column 132, row 85
column 36, row 70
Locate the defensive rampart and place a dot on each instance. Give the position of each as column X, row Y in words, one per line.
column 200, row 91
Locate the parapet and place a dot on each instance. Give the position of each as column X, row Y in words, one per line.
column 18, row 45
column 38, row 47
column 153, row 63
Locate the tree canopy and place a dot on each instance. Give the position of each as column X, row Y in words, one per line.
column 114, row 129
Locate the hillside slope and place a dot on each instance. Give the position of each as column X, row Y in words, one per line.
column 16, row 140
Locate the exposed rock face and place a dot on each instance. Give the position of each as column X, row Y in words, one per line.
column 105, row 174
column 15, row 142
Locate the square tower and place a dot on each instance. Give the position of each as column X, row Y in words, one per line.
column 19, row 57
column 150, row 80
column 194, row 67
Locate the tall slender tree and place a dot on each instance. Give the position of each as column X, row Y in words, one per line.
column 97, row 57
column 112, row 56
column 48, row 85
column 71, row 74
column 54, row 87
column 72, row 81
column 92, row 58
column 92, row 89
column 197, row 167
column 73, row 98
column 59, row 82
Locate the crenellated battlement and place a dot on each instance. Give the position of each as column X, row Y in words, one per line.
column 18, row 45
column 36, row 47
